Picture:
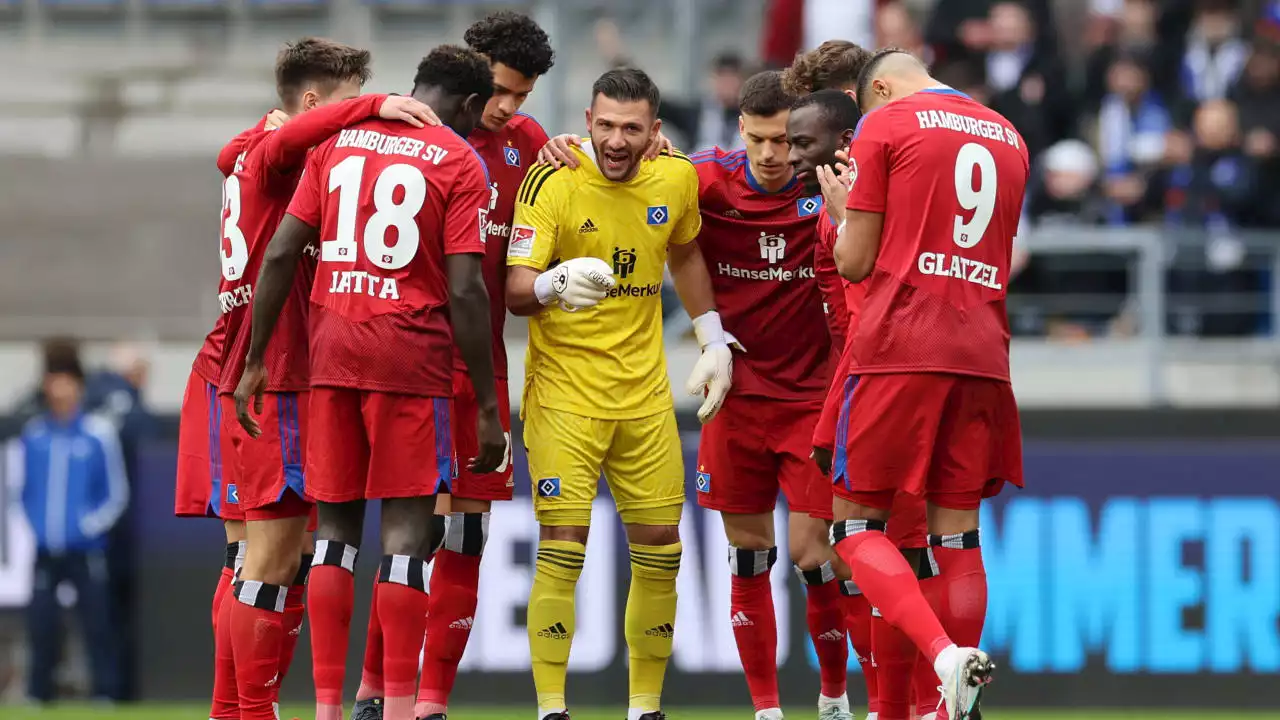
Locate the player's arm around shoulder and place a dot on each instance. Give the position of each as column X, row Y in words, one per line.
column 532, row 282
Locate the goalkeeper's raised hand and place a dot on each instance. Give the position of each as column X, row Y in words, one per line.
column 577, row 283
column 713, row 373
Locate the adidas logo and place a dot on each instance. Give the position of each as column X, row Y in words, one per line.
column 665, row 630
column 733, row 213
column 587, row 227
column 740, row 619
column 555, row 632
column 832, row 635
column 462, row 624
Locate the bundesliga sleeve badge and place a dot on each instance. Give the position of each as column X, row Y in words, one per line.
column 521, row 245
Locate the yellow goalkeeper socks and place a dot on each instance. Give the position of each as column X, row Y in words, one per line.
column 650, row 622
column 551, row 619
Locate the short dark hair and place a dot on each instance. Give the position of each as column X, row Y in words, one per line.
column 514, row 40
column 456, row 70
column 762, row 95
column 833, row 64
column 318, row 60
column 627, row 84
column 869, row 71
column 62, row 357
column 838, row 110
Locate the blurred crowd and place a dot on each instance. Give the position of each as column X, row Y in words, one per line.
column 1157, row 113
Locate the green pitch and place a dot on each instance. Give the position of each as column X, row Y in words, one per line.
column 197, row 712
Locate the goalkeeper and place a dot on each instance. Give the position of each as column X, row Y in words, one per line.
column 596, row 393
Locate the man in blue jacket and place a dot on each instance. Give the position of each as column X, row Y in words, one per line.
column 74, row 491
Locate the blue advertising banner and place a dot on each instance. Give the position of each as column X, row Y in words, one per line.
column 1123, row 570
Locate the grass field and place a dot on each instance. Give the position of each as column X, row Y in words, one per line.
column 197, row 712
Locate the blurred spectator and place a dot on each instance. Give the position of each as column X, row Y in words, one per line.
column 1213, row 292
column 712, row 120
column 1214, row 56
column 966, row 77
column 895, row 27
column 1132, row 126
column 73, row 492
column 793, row 26
column 961, row 29
column 1257, row 96
column 1073, row 296
column 1027, row 82
column 1134, row 32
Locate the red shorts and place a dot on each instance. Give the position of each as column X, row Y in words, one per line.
column 755, row 447
column 202, row 488
column 369, row 445
column 952, row 439
column 269, row 470
column 490, row 486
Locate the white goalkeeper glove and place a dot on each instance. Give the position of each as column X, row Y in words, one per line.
column 713, row 373
column 577, row 283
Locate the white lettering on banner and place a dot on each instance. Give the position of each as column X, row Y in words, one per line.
column 954, row 266
column 776, row 274
column 704, row 638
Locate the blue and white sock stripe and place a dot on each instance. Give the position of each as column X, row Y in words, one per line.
column 820, row 575
column 840, row 453
column 929, row 568
column 751, row 563
column 466, row 533
column 444, row 445
column 969, row 540
column 334, row 553
column 404, row 570
column 849, row 588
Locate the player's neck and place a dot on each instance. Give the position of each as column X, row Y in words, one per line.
column 433, row 97
column 769, row 185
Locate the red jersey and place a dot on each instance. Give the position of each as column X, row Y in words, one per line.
column 254, row 201
column 759, row 249
column 379, row 316
column 830, row 282
column 949, row 175
column 507, row 154
column 208, row 362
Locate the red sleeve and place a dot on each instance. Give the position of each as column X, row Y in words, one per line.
column 287, row 147
column 830, row 283
column 306, row 199
column 824, row 433
column 465, row 207
column 227, row 157
column 869, row 162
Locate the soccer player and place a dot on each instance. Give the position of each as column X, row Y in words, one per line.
column 586, row 255
column 758, row 236
column 507, row 140
column 380, row 351
column 310, row 74
column 938, row 182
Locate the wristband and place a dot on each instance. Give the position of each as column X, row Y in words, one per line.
column 708, row 329
column 542, row 288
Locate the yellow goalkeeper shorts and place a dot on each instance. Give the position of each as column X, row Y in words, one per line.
column 640, row 458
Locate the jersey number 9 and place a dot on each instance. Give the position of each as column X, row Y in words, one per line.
column 346, row 178
column 976, row 193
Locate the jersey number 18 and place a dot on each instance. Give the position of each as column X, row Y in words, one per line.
column 346, row 178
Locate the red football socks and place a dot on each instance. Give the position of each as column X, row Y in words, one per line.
column 371, row 673
column 257, row 634
column 964, row 593
column 226, row 698
column 294, row 612
column 925, row 687
column 403, row 612
column 825, row 615
column 756, row 631
column 895, row 669
column 891, row 587
column 858, row 620
column 454, row 580
column 330, row 597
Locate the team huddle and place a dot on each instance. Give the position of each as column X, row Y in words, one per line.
column 845, row 275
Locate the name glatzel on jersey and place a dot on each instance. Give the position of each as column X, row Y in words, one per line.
column 381, row 144
column 978, row 273
column 947, row 120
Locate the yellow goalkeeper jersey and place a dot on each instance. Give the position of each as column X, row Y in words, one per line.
column 608, row 361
